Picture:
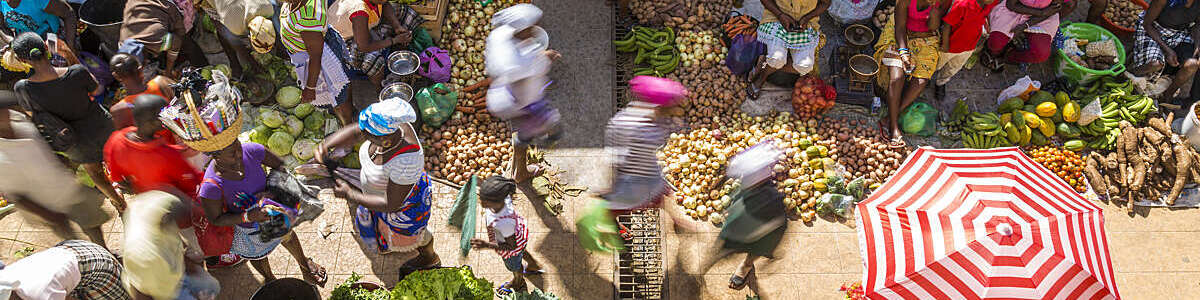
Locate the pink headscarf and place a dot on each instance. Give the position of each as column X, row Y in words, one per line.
column 657, row 90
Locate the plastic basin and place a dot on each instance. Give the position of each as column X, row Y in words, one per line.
column 287, row 289
column 1191, row 127
column 1091, row 32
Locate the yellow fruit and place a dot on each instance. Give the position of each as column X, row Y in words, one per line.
column 1047, row 127
column 1070, row 112
column 1005, row 118
column 1046, row 109
column 1031, row 119
column 1026, row 134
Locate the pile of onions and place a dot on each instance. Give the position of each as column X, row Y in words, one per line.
column 695, row 162
column 465, row 32
column 700, row 48
column 466, row 146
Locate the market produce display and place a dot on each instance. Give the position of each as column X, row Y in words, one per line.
column 882, row 15
column 347, row 291
column 811, row 97
column 696, row 160
column 441, row 283
column 863, row 151
column 700, row 48
column 1123, row 13
column 1066, row 164
column 712, row 92
column 1150, row 162
column 466, row 146
column 289, row 129
column 1098, row 55
column 1118, row 103
column 1042, row 118
column 952, row 126
column 465, row 30
column 655, row 48
column 681, row 14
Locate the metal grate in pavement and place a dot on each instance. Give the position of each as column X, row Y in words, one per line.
column 639, row 270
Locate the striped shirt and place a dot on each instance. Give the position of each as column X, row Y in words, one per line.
column 309, row 17
column 634, row 137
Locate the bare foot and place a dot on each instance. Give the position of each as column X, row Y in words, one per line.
column 530, row 172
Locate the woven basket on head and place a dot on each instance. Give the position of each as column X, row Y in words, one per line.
column 209, row 141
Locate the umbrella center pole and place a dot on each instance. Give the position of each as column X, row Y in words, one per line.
column 1004, row 229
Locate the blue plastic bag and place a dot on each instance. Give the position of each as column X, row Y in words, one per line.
column 743, row 53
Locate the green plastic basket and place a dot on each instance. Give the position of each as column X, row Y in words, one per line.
column 1092, row 33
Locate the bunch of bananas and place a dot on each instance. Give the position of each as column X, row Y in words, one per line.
column 1118, row 105
column 984, row 131
column 953, row 125
column 655, row 47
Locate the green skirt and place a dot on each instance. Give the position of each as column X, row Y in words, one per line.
column 764, row 246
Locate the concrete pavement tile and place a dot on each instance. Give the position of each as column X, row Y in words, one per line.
column 687, row 253
column 238, row 285
column 322, row 251
column 819, row 225
column 282, row 263
column 557, row 284
column 821, row 249
column 487, row 261
column 590, row 286
column 539, row 220
column 12, row 222
column 597, row 262
column 45, row 239
column 358, row 259
column 577, row 152
column 703, row 287
column 558, row 253
column 1154, row 251
column 1158, row 285
column 446, row 246
column 849, row 258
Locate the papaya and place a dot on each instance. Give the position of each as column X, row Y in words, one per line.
column 1061, row 98
column 1067, row 131
column 1037, row 139
column 1074, row 145
column 1070, row 111
column 1046, row 109
column 1031, row 119
column 1026, row 135
column 1010, row 105
column 1005, row 118
column 1011, row 133
column 1029, row 107
column 1019, row 119
column 1047, row 127
column 1040, row 97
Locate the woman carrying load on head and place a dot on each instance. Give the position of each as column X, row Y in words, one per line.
column 391, row 203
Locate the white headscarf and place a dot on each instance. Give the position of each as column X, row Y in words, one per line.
column 755, row 164
column 386, row 117
column 518, row 16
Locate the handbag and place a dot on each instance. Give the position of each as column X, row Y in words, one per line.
column 310, row 205
column 57, row 132
column 214, row 240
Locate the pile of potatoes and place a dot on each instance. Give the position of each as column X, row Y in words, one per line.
column 465, row 145
column 681, row 14
column 1123, row 13
column 712, row 92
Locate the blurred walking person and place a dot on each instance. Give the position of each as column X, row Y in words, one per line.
column 36, row 181
column 155, row 265
column 72, row 269
column 757, row 217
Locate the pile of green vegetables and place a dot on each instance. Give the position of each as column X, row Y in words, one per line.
column 289, row 129
column 655, row 47
column 436, row 284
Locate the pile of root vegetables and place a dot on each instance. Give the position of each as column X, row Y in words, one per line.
column 466, row 146
column 1150, row 162
column 1123, row 13
column 862, row 150
column 464, row 34
column 695, row 163
column 712, row 92
column 681, row 14
column 700, row 48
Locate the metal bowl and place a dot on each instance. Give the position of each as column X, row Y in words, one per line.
column 403, row 62
column 859, row 35
column 400, row 90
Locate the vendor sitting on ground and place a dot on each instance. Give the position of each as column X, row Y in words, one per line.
column 1168, row 43
column 908, row 53
column 1033, row 22
column 964, row 23
column 372, row 29
column 129, row 72
column 236, row 23
column 791, row 31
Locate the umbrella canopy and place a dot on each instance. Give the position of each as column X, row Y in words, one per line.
column 981, row 224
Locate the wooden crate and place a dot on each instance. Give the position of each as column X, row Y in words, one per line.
column 434, row 12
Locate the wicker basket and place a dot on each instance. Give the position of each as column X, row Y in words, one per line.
column 211, row 142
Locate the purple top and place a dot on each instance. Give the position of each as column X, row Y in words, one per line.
column 234, row 193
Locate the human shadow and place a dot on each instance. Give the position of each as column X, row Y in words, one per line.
column 560, row 261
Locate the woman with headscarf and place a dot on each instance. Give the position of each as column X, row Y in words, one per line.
column 391, row 206
column 318, row 54
column 65, row 93
column 231, row 193
column 757, row 216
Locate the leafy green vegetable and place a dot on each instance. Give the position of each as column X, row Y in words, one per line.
column 302, row 110
column 346, row 291
column 293, row 126
column 537, row 294
column 270, row 117
column 288, row 96
column 445, row 283
column 280, row 143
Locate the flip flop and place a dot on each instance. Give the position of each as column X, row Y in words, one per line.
column 504, row 289
column 319, row 276
column 534, row 272
column 897, row 142
column 625, row 235
column 739, row 282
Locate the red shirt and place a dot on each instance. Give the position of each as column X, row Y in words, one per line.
column 967, row 21
column 148, row 166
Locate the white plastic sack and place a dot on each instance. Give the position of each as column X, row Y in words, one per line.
column 852, row 11
column 1022, row 88
column 1090, row 113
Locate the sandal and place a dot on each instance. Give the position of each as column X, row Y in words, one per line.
column 897, row 142
column 318, row 276
column 504, row 289
column 625, row 235
column 739, row 282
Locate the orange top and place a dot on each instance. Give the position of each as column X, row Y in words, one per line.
column 151, row 88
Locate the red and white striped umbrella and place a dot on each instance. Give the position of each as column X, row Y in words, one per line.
column 981, row 224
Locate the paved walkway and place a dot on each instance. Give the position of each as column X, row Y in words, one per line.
column 1154, row 253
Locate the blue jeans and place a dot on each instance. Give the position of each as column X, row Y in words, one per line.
column 514, row 263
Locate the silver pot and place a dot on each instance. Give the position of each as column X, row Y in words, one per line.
column 403, row 62
column 400, row 90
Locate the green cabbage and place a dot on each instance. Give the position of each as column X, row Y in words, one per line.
column 260, row 134
column 303, row 149
column 293, row 126
column 272, row 118
column 314, row 121
column 302, row 110
column 445, row 283
column 288, row 96
column 280, row 143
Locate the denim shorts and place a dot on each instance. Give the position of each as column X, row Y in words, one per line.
column 514, row 263
column 632, row 192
